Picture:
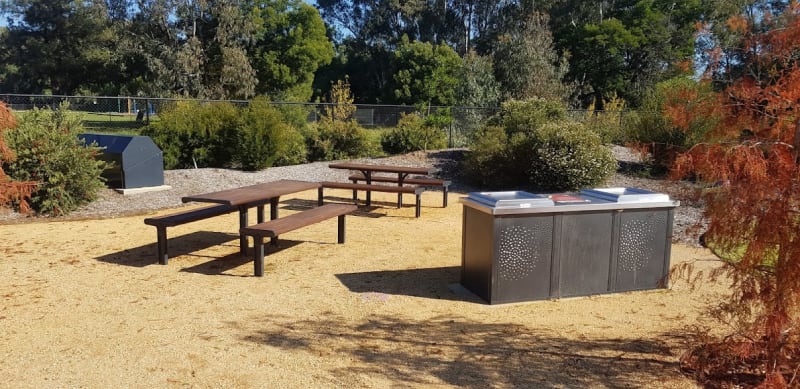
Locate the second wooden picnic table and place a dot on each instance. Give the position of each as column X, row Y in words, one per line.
column 257, row 195
column 367, row 170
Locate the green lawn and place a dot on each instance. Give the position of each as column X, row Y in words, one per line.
column 113, row 123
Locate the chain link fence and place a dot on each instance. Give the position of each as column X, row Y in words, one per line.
column 129, row 113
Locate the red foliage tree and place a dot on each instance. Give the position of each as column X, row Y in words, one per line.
column 754, row 216
column 11, row 191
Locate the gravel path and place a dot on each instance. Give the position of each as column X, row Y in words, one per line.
column 445, row 163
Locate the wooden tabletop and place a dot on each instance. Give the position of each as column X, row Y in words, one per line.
column 254, row 193
column 364, row 167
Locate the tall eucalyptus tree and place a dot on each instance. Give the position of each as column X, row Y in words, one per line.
column 624, row 47
column 211, row 58
column 290, row 45
column 526, row 64
column 60, row 46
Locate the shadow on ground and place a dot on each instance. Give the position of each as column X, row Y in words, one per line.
column 427, row 283
column 190, row 245
column 465, row 353
column 146, row 255
column 362, row 211
column 634, row 168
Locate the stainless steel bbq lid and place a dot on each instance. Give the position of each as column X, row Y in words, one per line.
column 626, row 195
column 510, row 199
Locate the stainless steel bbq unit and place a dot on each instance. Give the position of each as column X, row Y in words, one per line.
column 520, row 246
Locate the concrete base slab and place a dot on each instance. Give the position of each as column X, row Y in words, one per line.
column 465, row 293
column 130, row 191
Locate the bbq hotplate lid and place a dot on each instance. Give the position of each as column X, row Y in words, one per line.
column 626, row 195
column 511, row 199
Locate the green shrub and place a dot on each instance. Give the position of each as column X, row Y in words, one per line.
column 49, row 152
column 564, row 156
column 295, row 115
column 264, row 138
column 337, row 135
column 524, row 116
column 488, row 157
column 553, row 154
column 413, row 133
column 294, row 151
column 191, row 134
column 663, row 132
column 194, row 134
column 607, row 123
column 338, row 140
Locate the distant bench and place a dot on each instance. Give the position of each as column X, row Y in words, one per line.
column 273, row 228
column 162, row 222
column 417, row 191
column 421, row 181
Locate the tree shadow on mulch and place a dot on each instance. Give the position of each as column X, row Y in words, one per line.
column 466, row 353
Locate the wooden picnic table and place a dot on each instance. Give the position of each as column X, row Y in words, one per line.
column 367, row 170
column 253, row 196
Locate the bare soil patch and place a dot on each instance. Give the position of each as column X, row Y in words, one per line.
column 84, row 304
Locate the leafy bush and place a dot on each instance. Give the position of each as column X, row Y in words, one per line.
column 486, row 162
column 338, row 140
column 413, row 133
column 49, row 152
column 533, row 147
column 221, row 135
column 608, row 122
column 191, row 134
column 677, row 115
column 524, row 116
column 264, row 138
column 564, row 156
column 337, row 134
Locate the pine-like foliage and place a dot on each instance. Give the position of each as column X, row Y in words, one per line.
column 16, row 193
column 49, row 152
column 754, row 210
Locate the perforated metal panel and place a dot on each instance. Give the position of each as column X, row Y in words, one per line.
column 642, row 244
column 540, row 252
column 519, row 251
column 635, row 244
column 523, row 258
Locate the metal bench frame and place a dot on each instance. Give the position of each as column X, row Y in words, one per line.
column 421, row 181
column 417, row 191
column 162, row 222
column 273, row 228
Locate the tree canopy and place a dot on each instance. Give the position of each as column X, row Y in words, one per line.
column 291, row 45
column 57, row 46
column 751, row 161
column 289, row 49
column 624, row 47
column 425, row 73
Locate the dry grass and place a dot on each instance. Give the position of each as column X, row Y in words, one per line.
column 84, row 304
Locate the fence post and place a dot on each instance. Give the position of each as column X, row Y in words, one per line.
column 450, row 135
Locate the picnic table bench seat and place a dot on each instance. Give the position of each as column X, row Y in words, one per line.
column 421, row 181
column 175, row 219
column 417, row 191
column 273, row 228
